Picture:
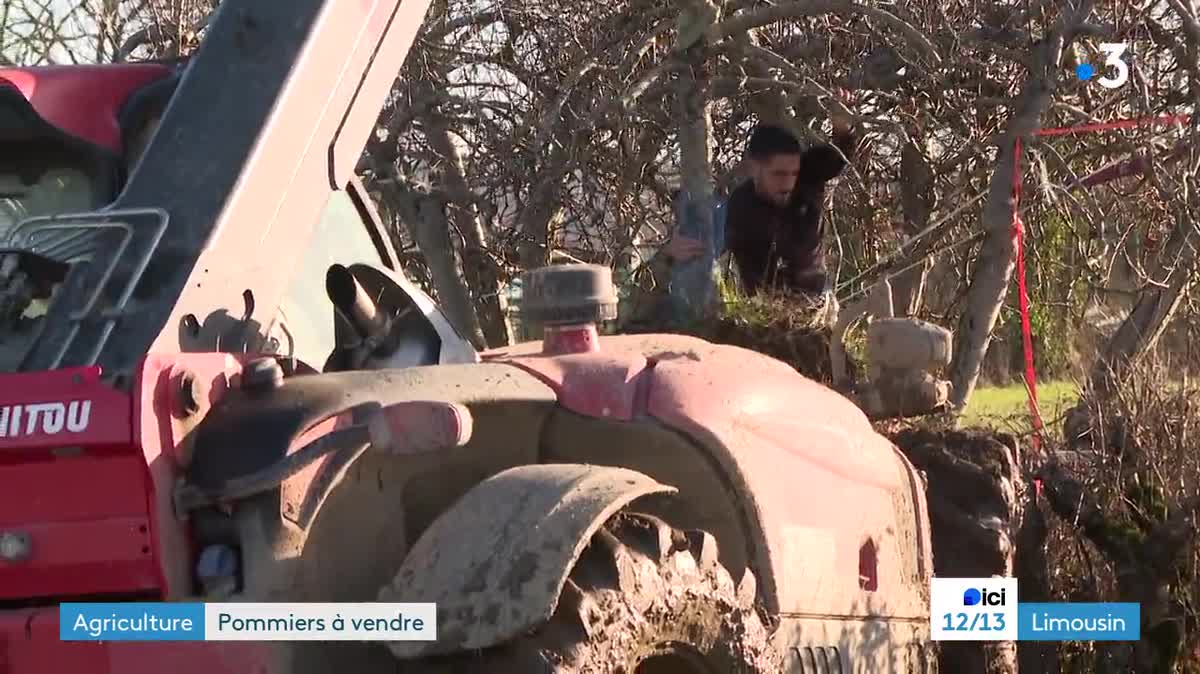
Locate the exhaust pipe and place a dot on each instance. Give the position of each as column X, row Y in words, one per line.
column 353, row 303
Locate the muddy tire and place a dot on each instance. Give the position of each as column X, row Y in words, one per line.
column 976, row 496
column 642, row 599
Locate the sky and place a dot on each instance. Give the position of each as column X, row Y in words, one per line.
column 35, row 32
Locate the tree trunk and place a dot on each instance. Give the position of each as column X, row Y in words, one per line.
column 693, row 287
column 481, row 273
column 542, row 205
column 1155, row 305
column 908, row 289
column 994, row 266
column 425, row 217
column 917, row 192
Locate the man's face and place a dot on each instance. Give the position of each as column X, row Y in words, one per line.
column 775, row 177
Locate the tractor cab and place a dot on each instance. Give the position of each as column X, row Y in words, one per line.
column 69, row 138
column 70, row 135
column 77, row 222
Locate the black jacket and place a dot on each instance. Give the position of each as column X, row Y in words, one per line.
column 776, row 246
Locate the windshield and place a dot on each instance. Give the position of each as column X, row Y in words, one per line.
column 34, row 182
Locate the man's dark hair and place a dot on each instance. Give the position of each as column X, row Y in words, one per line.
column 768, row 140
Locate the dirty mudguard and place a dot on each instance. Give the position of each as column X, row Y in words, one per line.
column 496, row 561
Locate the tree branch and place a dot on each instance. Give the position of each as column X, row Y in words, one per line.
column 774, row 13
column 1070, row 501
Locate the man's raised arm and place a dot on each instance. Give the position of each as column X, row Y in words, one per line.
column 824, row 162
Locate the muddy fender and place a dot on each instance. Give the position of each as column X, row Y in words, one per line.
column 495, row 562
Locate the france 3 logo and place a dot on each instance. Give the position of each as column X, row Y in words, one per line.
column 973, row 609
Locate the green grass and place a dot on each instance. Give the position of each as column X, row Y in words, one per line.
column 1007, row 408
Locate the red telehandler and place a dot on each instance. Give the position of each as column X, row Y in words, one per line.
column 217, row 385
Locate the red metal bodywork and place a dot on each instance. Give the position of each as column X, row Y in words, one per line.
column 106, row 414
column 598, row 384
column 83, row 101
column 162, row 431
column 79, row 496
column 97, row 504
column 801, row 455
column 787, row 439
column 97, row 507
column 112, row 529
column 558, row 340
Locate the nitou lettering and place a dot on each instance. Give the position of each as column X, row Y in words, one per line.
column 44, row 418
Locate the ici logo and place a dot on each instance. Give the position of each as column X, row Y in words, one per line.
column 983, row 597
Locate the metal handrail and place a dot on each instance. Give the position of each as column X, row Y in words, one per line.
column 24, row 236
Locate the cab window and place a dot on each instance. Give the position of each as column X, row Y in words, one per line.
column 340, row 237
column 37, row 181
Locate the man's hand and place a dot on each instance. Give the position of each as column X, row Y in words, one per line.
column 682, row 248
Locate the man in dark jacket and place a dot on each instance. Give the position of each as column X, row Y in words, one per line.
column 773, row 220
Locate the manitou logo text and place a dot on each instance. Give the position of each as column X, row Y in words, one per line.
column 44, row 418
